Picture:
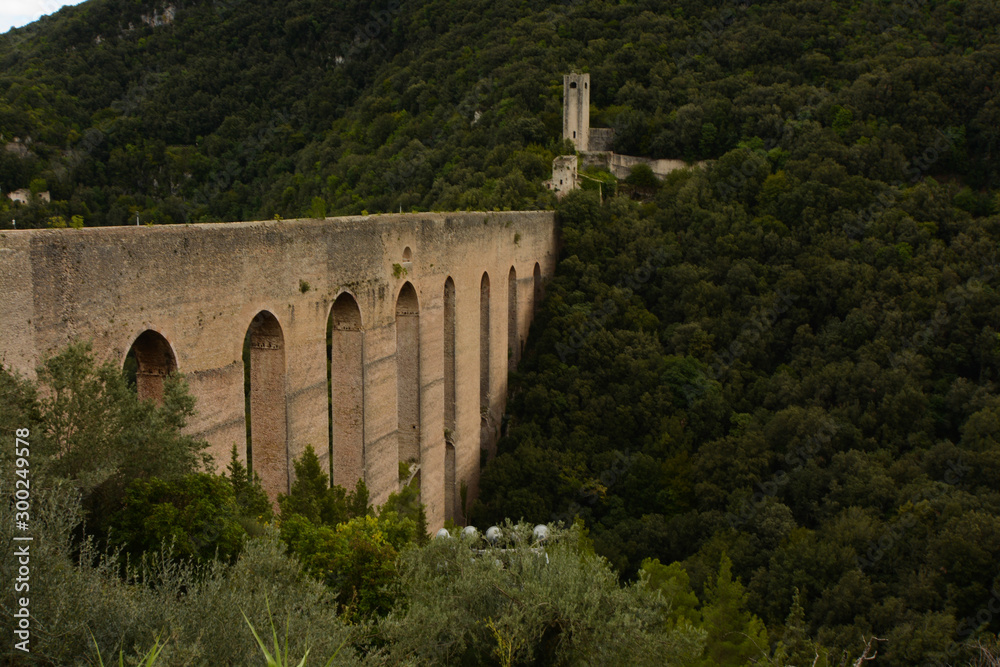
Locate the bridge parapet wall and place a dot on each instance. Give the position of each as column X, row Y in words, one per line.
column 201, row 286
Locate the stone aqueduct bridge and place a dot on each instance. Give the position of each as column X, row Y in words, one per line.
column 419, row 315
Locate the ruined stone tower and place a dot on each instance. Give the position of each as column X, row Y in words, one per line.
column 595, row 145
column 576, row 110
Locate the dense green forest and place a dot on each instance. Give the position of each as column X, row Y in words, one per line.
column 240, row 110
column 715, row 377
column 759, row 407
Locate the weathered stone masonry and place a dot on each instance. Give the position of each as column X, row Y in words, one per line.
column 401, row 294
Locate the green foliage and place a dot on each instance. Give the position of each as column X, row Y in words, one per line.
column 642, row 176
column 279, row 659
column 355, row 558
column 341, row 543
column 406, row 504
column 250, row 496
column 781, row 364
column 93, row 430
column 599, row 180
column 673, row 583
column 428, row 116
column 463, row 497
column 147, row 660
column 197, row 516
column 20, row 407
column 734, row 635
column 317, row 208
column 59, row 222
column 789, row 357
column 314, row 499
column 38, row 185
column 525, row 606
column 79, row 598
column 795, row 647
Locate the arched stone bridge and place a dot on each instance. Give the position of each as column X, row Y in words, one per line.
column 377, row 339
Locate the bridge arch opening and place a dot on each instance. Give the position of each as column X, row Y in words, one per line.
column 485, row 426
column 148, row 362
column 449, row 400
column 513, row 337
column 345, row 391
column 264, row 393
column 408, row 377
column 536, row 289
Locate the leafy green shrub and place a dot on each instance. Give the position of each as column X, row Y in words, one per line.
column 88, row 426
column 523, row 605
column 357, row 559
column 197, row 515
column 255, row 506
column 79, row 598
column 312, row 497
column 341, row 543
column 642, row 176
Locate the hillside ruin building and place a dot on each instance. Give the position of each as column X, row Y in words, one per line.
column 594, row 145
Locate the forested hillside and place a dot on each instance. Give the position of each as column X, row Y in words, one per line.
column 740, row 377
column 232, row 109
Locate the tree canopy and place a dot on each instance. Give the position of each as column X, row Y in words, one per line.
column 236, row 110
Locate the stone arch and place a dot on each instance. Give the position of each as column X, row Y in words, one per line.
column 536, row 289
column 152, row 359
column 449, row 398
column 513, row 336
column 345, row 391
column 266, row 417
column 407, row 254
column 408, row 375
column 484, row 363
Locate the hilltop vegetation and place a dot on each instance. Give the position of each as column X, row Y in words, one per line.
column 246, row 110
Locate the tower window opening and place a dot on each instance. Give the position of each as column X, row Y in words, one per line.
column 573, row 85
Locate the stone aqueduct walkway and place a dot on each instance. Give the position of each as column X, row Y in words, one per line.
column 418, row 318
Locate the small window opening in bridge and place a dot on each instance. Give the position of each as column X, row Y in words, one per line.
column 345, row 391
column 485, row 426
column 449, row 401
column 536, row 291
column 148, row 362
column 408, row 377
column 264, row 396
column 574, row 134
column 407, row 254
column 513, row 346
